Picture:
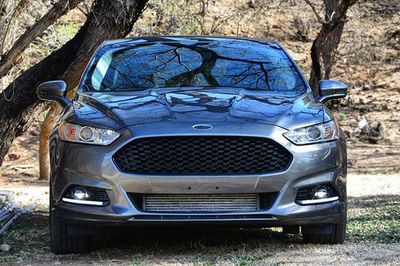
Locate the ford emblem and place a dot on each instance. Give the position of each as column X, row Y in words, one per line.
column 202, row 126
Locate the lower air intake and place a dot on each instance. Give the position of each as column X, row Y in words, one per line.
column 201, row 203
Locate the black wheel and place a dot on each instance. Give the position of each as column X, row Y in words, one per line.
column 61, row 239
column 62, row 242
column 325, row 234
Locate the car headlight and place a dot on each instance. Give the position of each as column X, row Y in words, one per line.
column 85, row 134
column 313, row 134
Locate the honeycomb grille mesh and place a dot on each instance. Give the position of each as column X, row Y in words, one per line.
column 203, row 155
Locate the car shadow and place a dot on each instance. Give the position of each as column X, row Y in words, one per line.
column 178, row 239
column 187, row 239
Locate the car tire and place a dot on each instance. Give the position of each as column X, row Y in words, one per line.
column 336, row 236
column 64, row 243
column 325, row 234
column 61, row 239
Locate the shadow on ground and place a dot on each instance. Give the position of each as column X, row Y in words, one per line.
column 175, row 240
column 374, row 218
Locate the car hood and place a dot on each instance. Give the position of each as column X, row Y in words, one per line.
column 207, row 105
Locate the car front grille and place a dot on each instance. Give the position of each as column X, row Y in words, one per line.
column 202, row 155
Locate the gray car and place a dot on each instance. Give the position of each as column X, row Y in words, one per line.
column 195, row 130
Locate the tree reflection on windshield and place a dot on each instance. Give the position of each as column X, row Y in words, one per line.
column 233, row 63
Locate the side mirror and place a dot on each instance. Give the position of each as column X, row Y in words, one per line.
column 53, row 91
column 331, row 89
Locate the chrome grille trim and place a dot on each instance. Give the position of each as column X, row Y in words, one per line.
column 201, row 202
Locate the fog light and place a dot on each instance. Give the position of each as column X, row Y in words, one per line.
column 80, row 193
column 321, row 192
column 86, row 196
column 317, row 194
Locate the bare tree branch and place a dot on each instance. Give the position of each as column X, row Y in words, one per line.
column 1, row 7
column 17, row 11
column 4, row 17
column 11, row 57
column 314, row 9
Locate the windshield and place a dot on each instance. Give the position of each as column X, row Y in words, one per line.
column 226, row 63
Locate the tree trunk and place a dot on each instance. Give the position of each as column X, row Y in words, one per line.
column 327, row 41
column 107, row 20
column 331, row 44
column 45, row 130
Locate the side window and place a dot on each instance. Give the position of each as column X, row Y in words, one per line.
column 100, row 70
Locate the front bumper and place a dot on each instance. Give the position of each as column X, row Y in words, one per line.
column 86, row 165
column 332, row 214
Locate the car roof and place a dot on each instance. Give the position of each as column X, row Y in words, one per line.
column 184, row 39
